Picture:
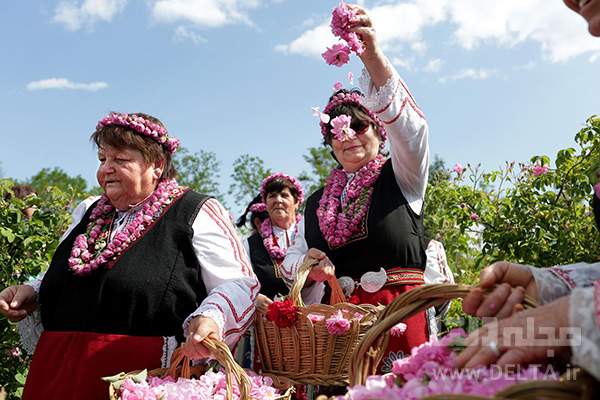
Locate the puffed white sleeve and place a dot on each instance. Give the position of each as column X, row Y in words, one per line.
column 230, row 282
column 584, row 321
column 407, row 130
column 294, row 258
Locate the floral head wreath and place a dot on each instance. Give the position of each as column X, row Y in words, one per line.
column 143, row 127
column 281, row 175
column 355, row 99
column 257, row 208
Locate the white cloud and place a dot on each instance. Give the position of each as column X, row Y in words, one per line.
column 183, row 34
column 207, row 13
column 470, row 73
column 311, row 43
column 75, row 17
column 65, row 84
column 434, row 65
column 403, row 63
column 560, row 33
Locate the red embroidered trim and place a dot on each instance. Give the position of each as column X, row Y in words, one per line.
column 232, row 307
column 412, row 101
column 235, row 245
column 390, row 103
column 564, row 276
column 391, row 121
column 597, row 301
column 243, row 328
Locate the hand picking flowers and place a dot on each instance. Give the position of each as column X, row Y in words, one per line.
column 429, row 370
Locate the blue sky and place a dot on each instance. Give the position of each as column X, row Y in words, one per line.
column 498, row 80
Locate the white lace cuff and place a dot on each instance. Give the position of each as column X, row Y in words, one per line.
column 585, row 338
column 30, row 329
column 550, row 287
column 212, row 313
column 36, row 282
column 379, row 99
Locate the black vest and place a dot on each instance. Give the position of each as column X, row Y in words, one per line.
column 270, row 285
column 392, row 235
column 149, row 291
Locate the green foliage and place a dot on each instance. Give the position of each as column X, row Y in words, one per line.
column 199, row 171
column 58, row 178
column 26, row 248
column 248, row 173
column 523, row 213
column 321, row 163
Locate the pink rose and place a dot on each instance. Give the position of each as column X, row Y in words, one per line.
column 538, row 170
column 338, row 55
column 459, row 169
column 337, row 325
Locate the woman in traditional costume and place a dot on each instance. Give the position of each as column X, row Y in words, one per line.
column 147, row 266
column 281, row 195
column 368, row 219
column 274, row 217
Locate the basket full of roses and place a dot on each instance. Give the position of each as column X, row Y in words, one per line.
column 312, row 344
column 183, row 381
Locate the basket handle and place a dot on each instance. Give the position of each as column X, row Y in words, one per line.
column 337, row 294
column 220, row 351
column 366, row 359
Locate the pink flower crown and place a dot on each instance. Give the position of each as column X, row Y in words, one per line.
column 287, row 177
column 143, row 127
column 355, row 99
column 258, row 208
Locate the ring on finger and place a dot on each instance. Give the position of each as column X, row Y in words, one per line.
column 493, row 345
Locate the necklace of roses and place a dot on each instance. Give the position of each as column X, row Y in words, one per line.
column 276, row 253
column 340, row 220
column 94, row 248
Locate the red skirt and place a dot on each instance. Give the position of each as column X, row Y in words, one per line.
column 416, row 332
column 69, row 365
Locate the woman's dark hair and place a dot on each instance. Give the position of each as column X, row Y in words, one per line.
column 360, row 119
column 122, row 137
column 261, row 215
column 279, row 184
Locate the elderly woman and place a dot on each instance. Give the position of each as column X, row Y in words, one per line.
column 147, row 266
column 367, row 221
column 567, row 325
column 280, row 195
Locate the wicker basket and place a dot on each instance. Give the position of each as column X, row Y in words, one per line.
column 181, row 367
column 368, row 355
column 306, row 353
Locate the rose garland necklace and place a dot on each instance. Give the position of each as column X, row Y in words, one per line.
column 340, row 220
column 266, row 232
column 95, row 248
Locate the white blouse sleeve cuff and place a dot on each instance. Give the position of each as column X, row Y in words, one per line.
column 549, row 286
column 585, row 332
column 379, row 99
column 36, row 282
column 205, row 311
